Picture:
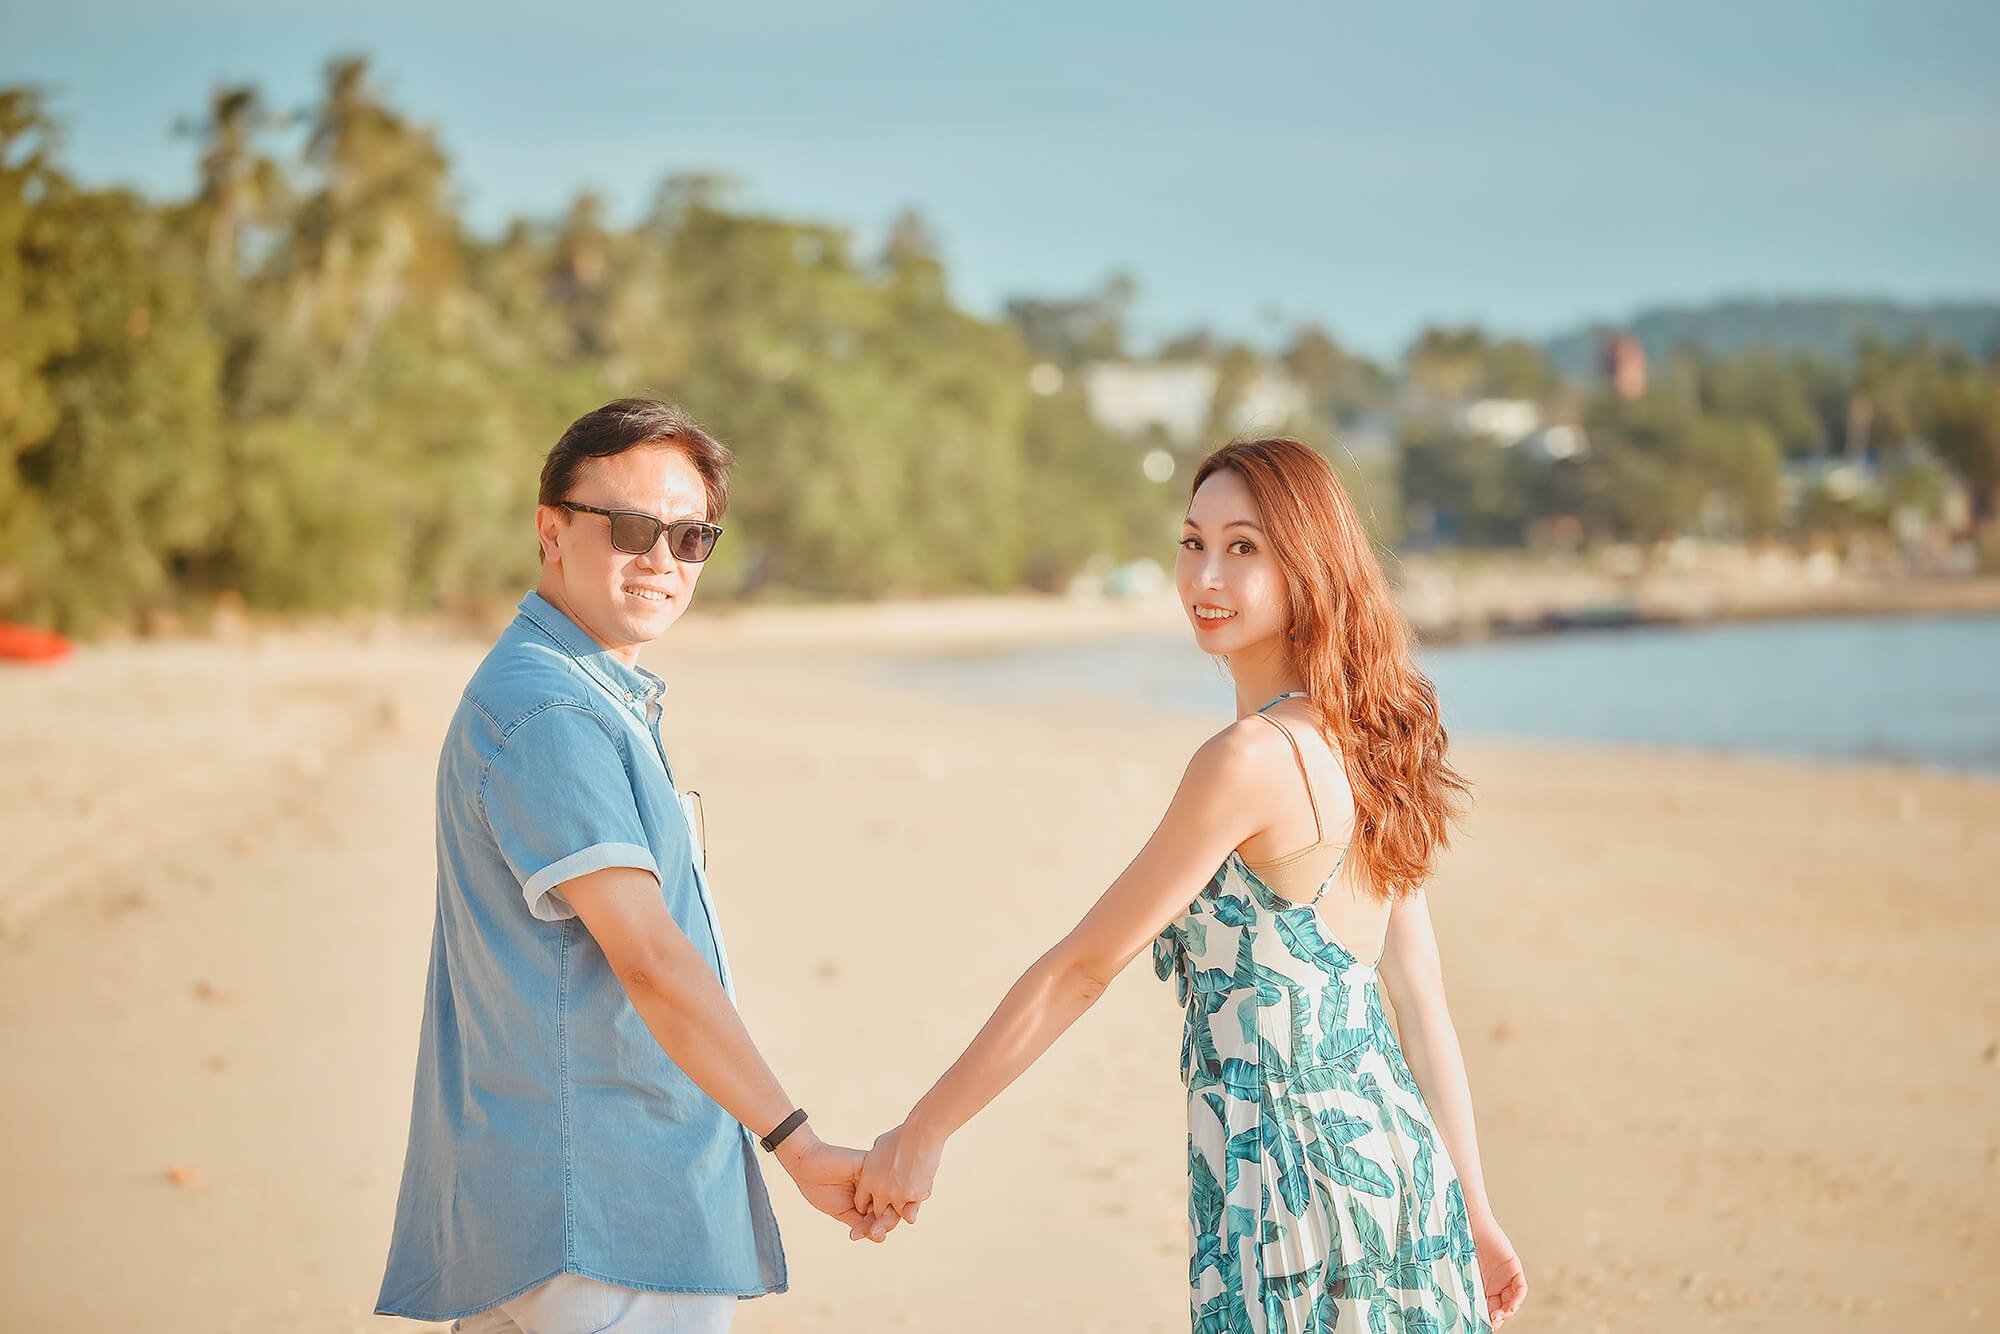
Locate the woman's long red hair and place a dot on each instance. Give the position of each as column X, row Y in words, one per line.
column 1376, row 709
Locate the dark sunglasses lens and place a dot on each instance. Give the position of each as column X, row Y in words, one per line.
column 691, row 541
column 634, row 534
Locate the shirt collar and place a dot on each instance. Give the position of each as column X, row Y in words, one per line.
column 634, row 685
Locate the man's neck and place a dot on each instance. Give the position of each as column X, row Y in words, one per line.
column 625, row 653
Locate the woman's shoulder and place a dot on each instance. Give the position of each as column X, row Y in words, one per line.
column 1254, row 749
column 1248, row 750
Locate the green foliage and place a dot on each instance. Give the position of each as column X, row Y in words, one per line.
column 1466, row 363
column 1783, row 397
column 1965, row 427
column 1071, row 332
column 1482, row 488
column 108, row 407
column 307, row 383
column 1656, row 470
column 1338, row 383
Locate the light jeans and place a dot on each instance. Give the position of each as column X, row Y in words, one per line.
column 571, row 1304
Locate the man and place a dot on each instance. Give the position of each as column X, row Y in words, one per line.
column 580, row 1152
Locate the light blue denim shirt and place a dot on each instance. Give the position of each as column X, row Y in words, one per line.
column 549, row 1133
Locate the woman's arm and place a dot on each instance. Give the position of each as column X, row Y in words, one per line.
column 1413, row 974
column 1214, row 810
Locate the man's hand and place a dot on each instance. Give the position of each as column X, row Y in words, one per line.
column 824, row 1174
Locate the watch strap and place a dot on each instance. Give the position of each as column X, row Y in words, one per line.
column 785, row 1127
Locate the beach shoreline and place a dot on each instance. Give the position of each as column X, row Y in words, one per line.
column 1446, row 602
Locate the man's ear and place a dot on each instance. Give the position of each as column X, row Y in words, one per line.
column 547, row 524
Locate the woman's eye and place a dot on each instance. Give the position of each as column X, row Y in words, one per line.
column 1241, row 548
column 1190, row 544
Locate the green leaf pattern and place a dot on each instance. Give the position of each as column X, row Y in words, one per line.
column 1319, row 1196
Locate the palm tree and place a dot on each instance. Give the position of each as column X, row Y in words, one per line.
column 380, row 226
column 239, row 186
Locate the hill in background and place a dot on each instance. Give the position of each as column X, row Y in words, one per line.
column 1828, row 329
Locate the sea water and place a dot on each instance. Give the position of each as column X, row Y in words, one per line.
column 1921, row 690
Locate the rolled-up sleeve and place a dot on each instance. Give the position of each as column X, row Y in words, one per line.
column 558, row 799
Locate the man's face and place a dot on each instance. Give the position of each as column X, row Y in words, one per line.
column 622, row 601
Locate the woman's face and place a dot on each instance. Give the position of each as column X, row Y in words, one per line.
column 1231, row 588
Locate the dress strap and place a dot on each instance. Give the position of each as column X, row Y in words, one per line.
column 1319, row 834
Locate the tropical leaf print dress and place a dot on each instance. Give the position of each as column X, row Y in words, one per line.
column 1319, row 1195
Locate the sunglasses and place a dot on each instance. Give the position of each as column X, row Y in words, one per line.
column 635, row 533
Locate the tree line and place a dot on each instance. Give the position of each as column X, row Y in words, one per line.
column 1759, row 444
column 1763, row 443
column 309, row 384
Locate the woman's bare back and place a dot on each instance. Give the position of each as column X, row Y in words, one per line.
column 1301, row 855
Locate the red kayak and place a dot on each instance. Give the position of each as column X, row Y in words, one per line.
column 24, row 643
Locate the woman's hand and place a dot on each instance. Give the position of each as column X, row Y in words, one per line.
column 1499, row 1269
column 824, row 1174
column 898, row 1172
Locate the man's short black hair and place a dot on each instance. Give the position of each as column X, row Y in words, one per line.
column 627, row 423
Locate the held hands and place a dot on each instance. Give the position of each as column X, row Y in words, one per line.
column 825, row 1175
column 1499, row 1269
column 896, row 1178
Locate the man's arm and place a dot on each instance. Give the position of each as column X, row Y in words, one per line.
column 685, row 1008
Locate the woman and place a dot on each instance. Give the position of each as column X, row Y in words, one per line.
column 1332, row 1181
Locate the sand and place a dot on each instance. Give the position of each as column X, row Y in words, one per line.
column 1731, row 1024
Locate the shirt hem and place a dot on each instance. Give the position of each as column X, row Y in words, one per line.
column 601, row 1276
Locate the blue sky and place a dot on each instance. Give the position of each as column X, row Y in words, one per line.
column 1372, row 166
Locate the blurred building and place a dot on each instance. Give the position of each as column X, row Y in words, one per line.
column 1370, row 438
column 1504, row 421
column 1179, row 399
column 1625, row 365
column 1551, row 443
column 1129, row 397
column 1837, row 479
column 1268, row 403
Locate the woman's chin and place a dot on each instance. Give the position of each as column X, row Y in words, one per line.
column 1229, row 638
column 1216, row 637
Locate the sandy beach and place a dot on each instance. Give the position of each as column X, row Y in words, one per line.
column 1732, row 1025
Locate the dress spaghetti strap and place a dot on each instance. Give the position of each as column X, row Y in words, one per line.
column 1279, row 873
column 1319, row 831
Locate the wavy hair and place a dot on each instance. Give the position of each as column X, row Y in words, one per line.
column 1373, row 705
